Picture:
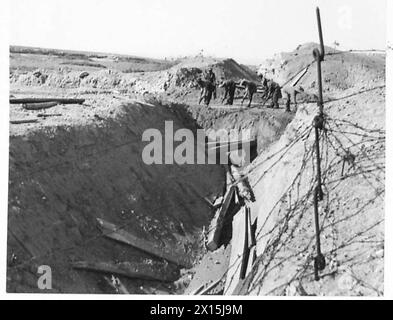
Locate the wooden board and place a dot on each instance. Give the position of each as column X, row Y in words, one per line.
column 151, row 271
column 170, row 254
column 210, row 287
column 251, row 241
column 45, row 115
column 39, row 105
column 40, row 100
column 251, row 260
column 299, row 76
column 23, row 121
column 238, row 251
column 216, row 224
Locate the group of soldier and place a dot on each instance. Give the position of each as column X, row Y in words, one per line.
column 270, row 90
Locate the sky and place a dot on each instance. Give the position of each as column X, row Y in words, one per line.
column 246, row 30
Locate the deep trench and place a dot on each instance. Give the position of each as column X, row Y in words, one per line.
column 62, row 179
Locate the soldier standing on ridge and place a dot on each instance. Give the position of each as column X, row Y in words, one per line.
column 250, row 89
column 230, row 88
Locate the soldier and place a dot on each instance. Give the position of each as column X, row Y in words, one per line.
column 250, row 89
column 273, row 90
column 291, row 91
column 265, row 86
column 206, row 91
column 230, row 88
column 211, row 77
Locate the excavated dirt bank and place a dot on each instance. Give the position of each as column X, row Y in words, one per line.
column 64, row 177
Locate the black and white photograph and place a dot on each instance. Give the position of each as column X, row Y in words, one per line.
column 168, row 148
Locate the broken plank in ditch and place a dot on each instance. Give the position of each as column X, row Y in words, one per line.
column 216, row 224
column 238, row 251
column 133, row 270
column 113, row 232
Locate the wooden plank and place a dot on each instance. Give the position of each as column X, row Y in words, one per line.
column 251, row 259
column 238, row 251
column 246, row 250
column 198, row 290
column 39, row 105
column 299, row 76
column 216, row 224
column 218, row 202
column 229, row 178
column 45, row 115
column 133, row 270
column 250, row 234
column 23, row 121
column 210, row 287
column 243, row 283
column 40, row 100
column 172, row 255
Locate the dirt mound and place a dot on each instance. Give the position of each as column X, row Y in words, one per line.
column 341, row 70
column 64, row 176
column 178, row 80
